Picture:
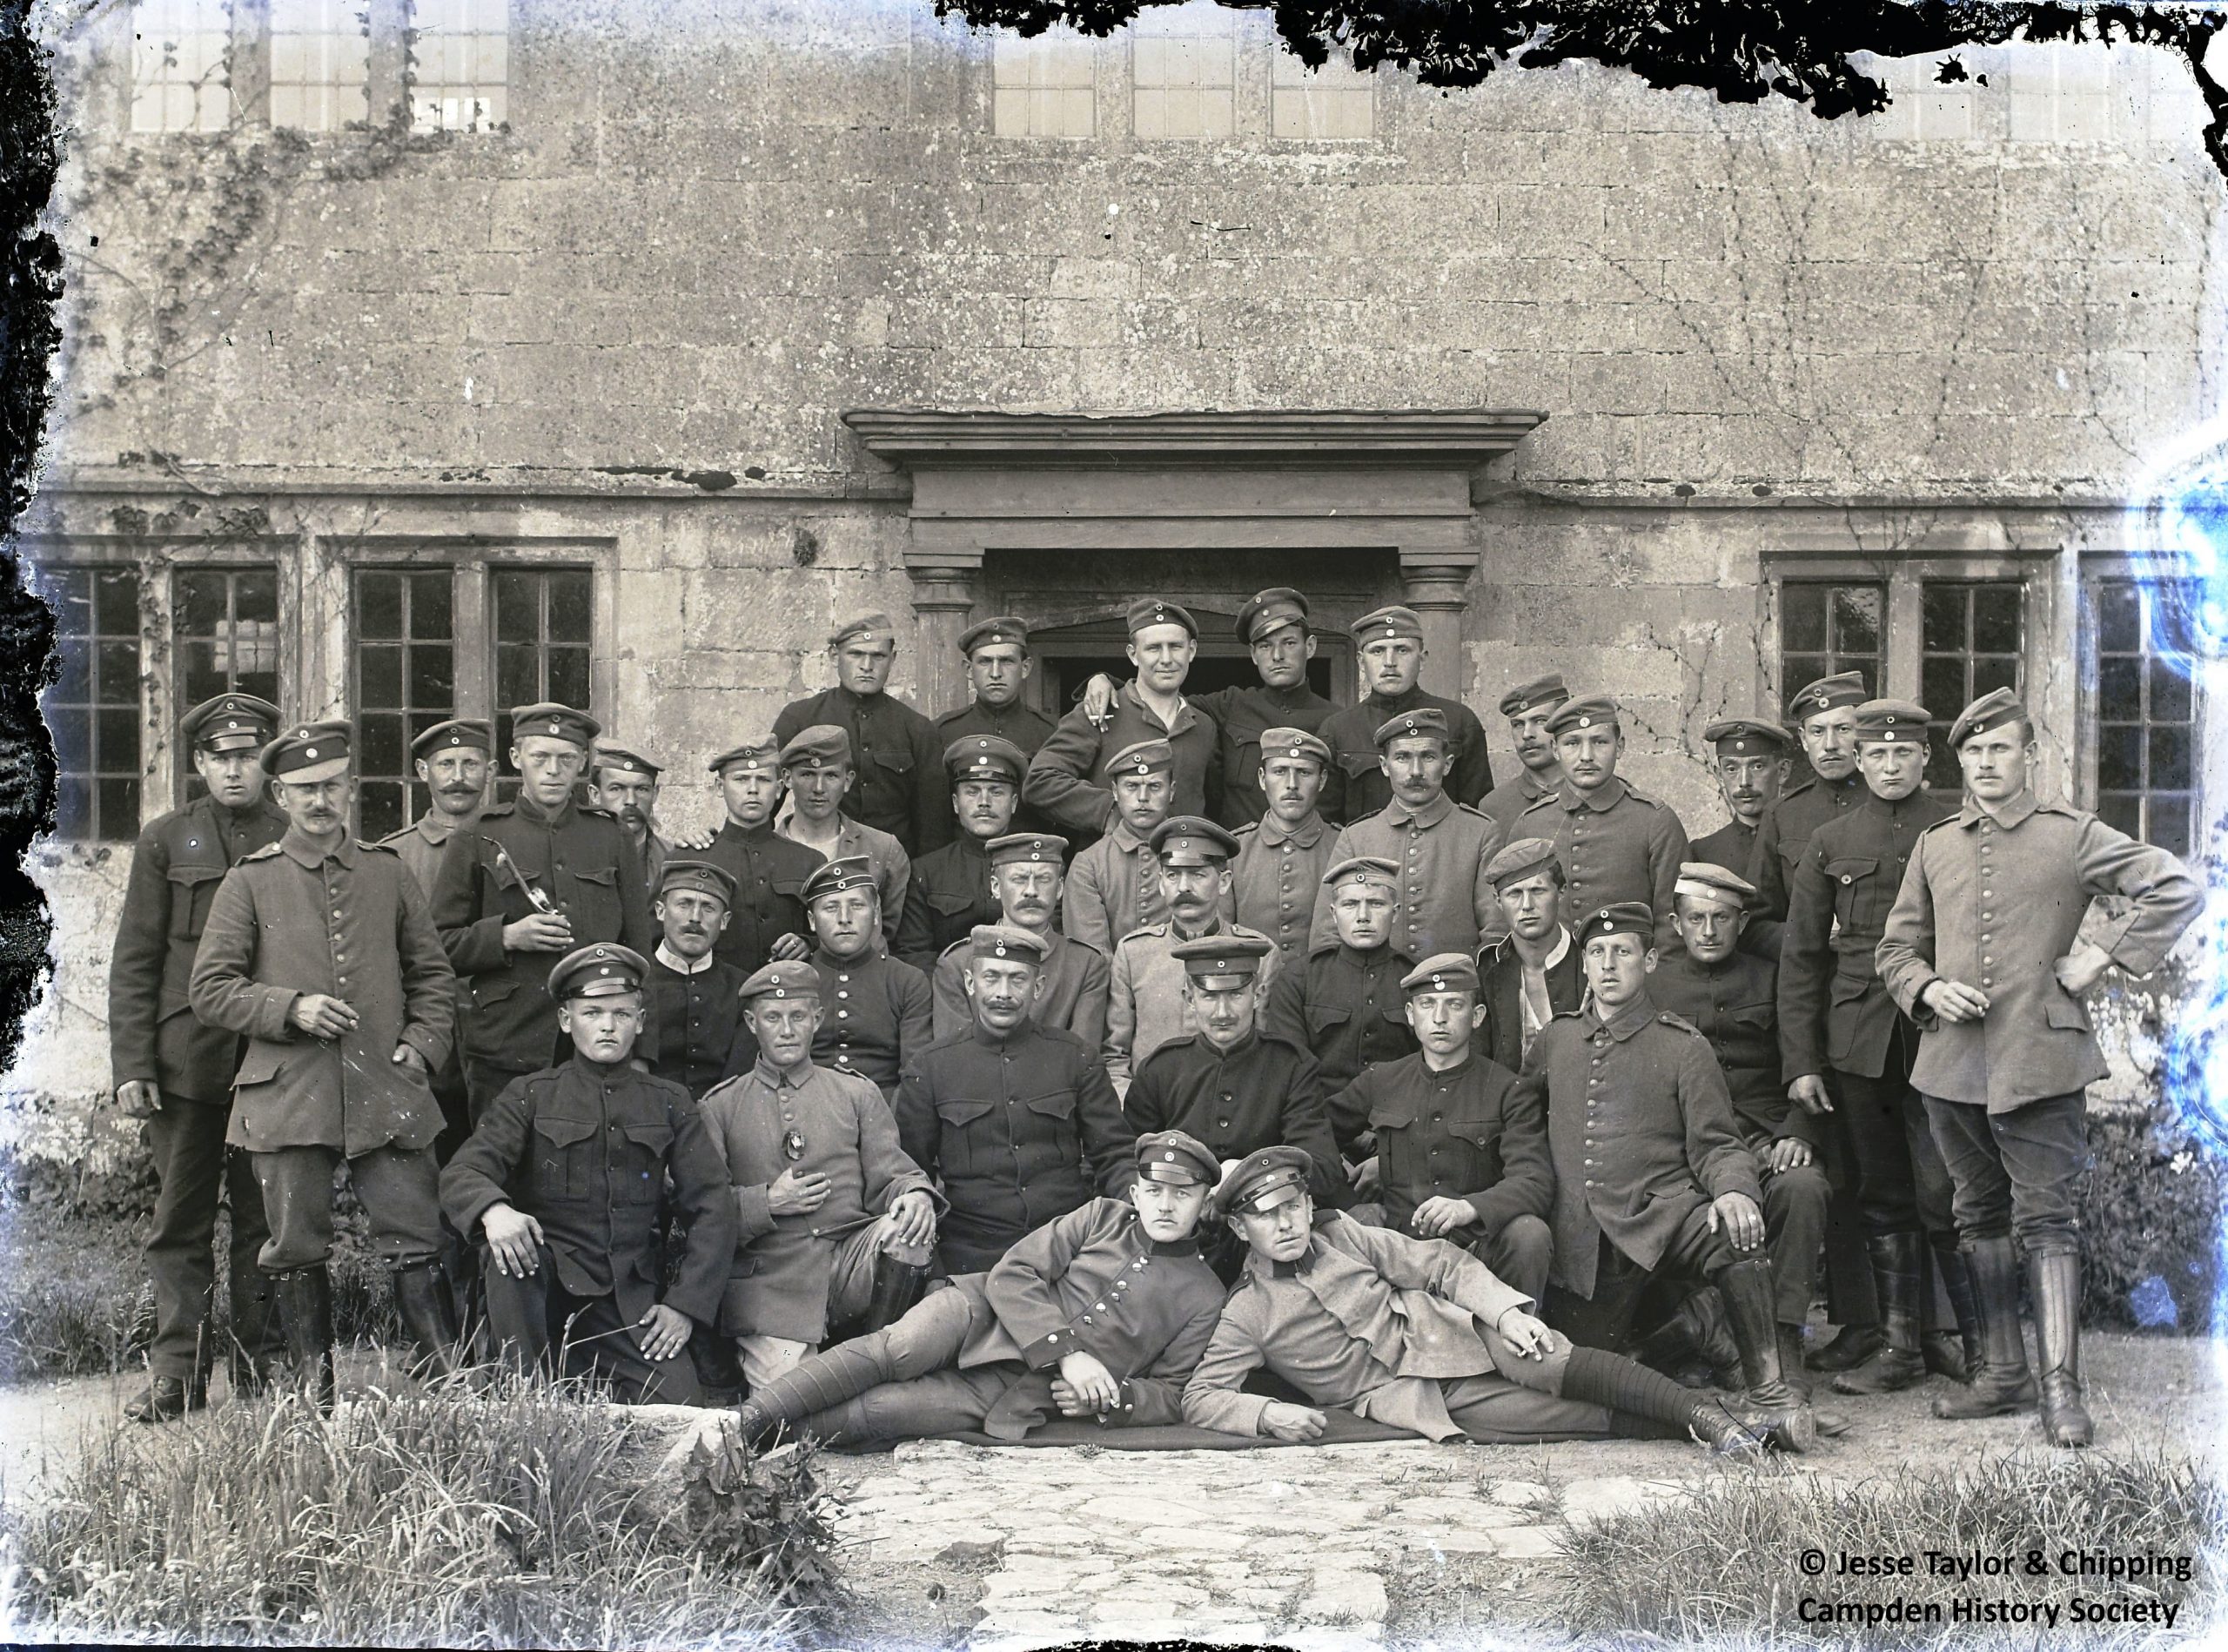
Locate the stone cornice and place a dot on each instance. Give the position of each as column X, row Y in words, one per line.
column 917, row 436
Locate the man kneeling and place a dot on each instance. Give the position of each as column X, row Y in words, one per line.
column 1101, row 1314
column 1418, row 1334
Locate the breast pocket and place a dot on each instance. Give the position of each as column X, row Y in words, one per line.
column 894, row 768
column 561, row 1152
column 595, row 904
column 1325, row 1022
column 1480, row 1140
column 961, row 1145
column 643, row 1178
column 1854, row 883
column 1054, row 1116
column 193, row 891
column 1356, row 766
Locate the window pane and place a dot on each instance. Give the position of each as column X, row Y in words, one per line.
column 1796, row 670
column 2119, row 759
column 379, row 677
column 116, row 748
column 1942, row 687
column 2119, row 690
column 2147, row 713
column 518, row 608
column 198, row 605
column 384, row 749
column 518, row 675
column 2121, row 810
column 118, row 680
column 1942, row 773
column 1993, row 672
column 2172, row 697
column 431, row 598
column 2119, row 618
column 1858, row 613
column 379, row 605
column 74, row 682
column 433, row 675
column 1941, row 622
column 2170, row 757
column 569, row 617
column 379, row 808
column 73, row 729
column 73, row 807
column 1996, row 619
column 115, row 601
column 1802, row 619
column 256, row 594
column 568, row 675
column 2171, row 814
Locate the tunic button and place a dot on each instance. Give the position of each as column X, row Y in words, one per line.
column 1589, row 1182
column 842, row 1015
column 1845, row 877
column 842, row 995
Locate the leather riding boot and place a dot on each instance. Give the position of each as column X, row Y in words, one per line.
column 1790, row 1359
column 897, row 1288
column 1849, row 1349
column 2055, row 1280
column 1747, row 1288
column 421, row 1296
column 2000, row 1382
column 167, row 1398
column 251, row 1374
column 1703, row 1316
column 306, row 1300
column 1955, row 1353
column 1898, row 1274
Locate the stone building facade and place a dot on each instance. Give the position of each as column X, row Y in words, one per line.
column 616, row 350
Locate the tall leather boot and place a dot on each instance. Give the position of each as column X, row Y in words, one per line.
column 1747, row 1288
column 1954, row 1354
column 305, row 1300
column 421, row 1296
column 2055, row 1279
column 2000, row 1383
column 897, row 1288
column 1898, row 1275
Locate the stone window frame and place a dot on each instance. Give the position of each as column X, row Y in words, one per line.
column 1977, row 667
column 2209, row 687
column 342, row 28
column 98, row 699
column 408, row 717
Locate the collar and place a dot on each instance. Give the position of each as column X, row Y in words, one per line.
column 971, row 847
column 1175, row 725
column 1273, row 832
column 1299, row 1265
column 679, row 965
column 1971, row 814
column 1376, row 957
column 1125, row 840
column 774, row 1079
column 1603, row 798
column 1299, row 697
column 1896, row 810
column 861, row 704
column 1245, row 1045
column 301, row 849
column 1469, row 1060
column 1172, row 1247
column 1399, row 814
column 1629, row 1020
column 821, row 959
column 735, row 832
column 990, row 1040
column 1214, row 927
column 1533, row 787
column 432, row 828
column 1392, row 705
column 1558, row 953
column 525, row 805
column 598, row 1072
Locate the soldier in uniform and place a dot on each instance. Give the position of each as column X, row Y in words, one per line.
column 899, row 780
column 1652, row 1179
column 1344, row 1005
column 1834, row 1014
column 1528, row 706
column 1014, row 1114
column 1613, row 844
column 527, row 882
column 834, row 1224
column 767, row 923
column 564, row 1185
column 1390, row 646
column 454, row 761
column 1460, row 1149
column 689, row 996
column 1749, row 759
column 625, row 785
column 1282, row 856
column 1532, row 974
column 999, row 664
column 1069, row 778
column 176, row 1074
column 1441, row 846
column 1146, row 993
column 878, row 1015
column 320, row 952
column 1025, row 876
column 949, row 890
column 1824, row 716
column 1983, row 951
column 1114, row 886
column 1413, row 1333
column 817, row 764
column 1100, row 1313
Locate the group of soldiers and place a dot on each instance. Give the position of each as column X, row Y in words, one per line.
column 1432, row 1099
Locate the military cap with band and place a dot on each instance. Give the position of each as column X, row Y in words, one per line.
column 1007, row 940
column 1172, row 1157
column 984, row 757
column 844, row 872
column 1424, row 720
column 1262, row 1174
column 1214, row 957
column 1531, row 697
column 1383, row 624
column 1443, row 972
column 1276, row 607
column 1584, row 711
column 1363, row 869
column 762, row 752
column 1749, row 736
column 784, row 978
column 1705, row 881
column 310, row 752
column 1003, row 628
column 601, row 969
column 1145, row 757
column 702, row 875
column 1618, row 918
column 556, row 722
column 1992, row 710
column 1892, row 722
column 1153, row 610
column 232, row 722
column 1293, row 743
column 618, row 760
column 1047, row 847
column 1519, row 860
column 824, row 742
column 874, row 627
column 1192, row 840
column 458, row 734
column 1843, row 689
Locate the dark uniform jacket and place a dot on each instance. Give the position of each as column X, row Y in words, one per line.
column 1834, row 1009
column 1732, row 846
column 1067, row 781
column 1472, row 1132
column 348, row 922
column 1615, row 845
column 1077, row 982
column 1242, row 717
column 901, row 787
column 769, row 872
column 1643, row 1133
column 1784, row 831
column 1344, row 1007
column 1262, row 1092
column 585, row 1149
column 1356, row 788
column 1512, row 796
column 152, row 1033
column 580, row 858
column 1500, row 984
column 1025, row 725
column 700, row 1035
column 1020, row 1128
column 947, row 895
column 1734, row 1004
column 875, row 1014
